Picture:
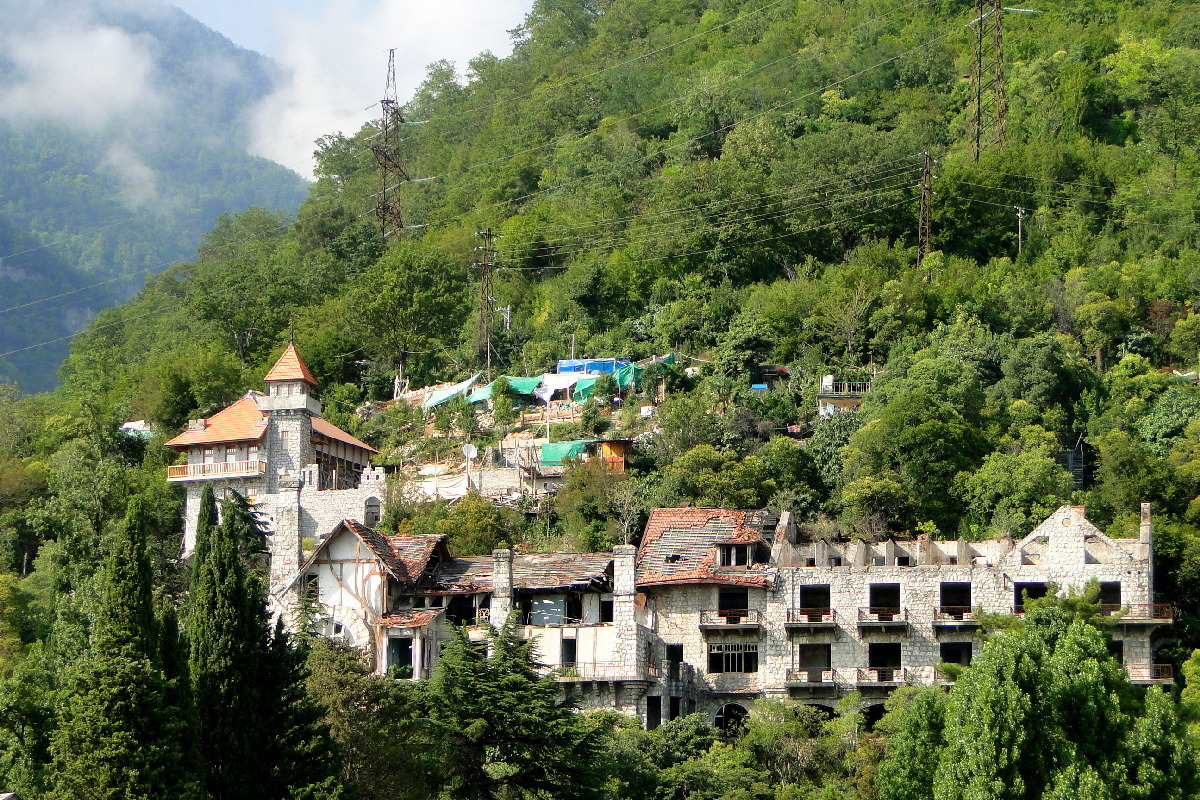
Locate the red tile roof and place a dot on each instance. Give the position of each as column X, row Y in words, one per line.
column 240, row 422
column 680, row 545
column 405, row 557
column 331, row 431
column 290, row 367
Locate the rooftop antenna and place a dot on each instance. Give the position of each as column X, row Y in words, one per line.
column 386, row 148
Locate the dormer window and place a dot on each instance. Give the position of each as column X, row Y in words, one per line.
column 736, row 555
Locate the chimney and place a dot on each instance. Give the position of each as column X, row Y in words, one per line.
column 1146, row 545
column 502, row 586
column 197, row 424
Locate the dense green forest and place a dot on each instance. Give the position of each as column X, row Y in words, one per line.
column 99, row 187
column 736, row 182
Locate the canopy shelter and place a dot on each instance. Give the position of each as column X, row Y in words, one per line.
column 439, row 396
column 522, row 386
column 627, row 377
column 591, row 366
column 554, row 454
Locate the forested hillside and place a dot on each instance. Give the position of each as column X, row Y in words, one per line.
column 738, row 183
column 116, row 154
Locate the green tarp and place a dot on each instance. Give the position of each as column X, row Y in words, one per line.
column 627, row 377
column 445, row 395
column 554, row 454
column 522, row 386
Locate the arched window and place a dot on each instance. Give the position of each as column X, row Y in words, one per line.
column 731, row 717
column 371, row 513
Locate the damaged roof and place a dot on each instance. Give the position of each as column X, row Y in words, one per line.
column 531, row 572
column 681, row 545
column 405, row 557
column 408, row 619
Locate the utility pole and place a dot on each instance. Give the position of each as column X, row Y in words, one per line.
column 387, row 152
column 925, row 223
column 483, row 325
column 988, row 104
column 1020, row 228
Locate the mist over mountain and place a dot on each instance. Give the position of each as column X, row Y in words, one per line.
column 124, row 127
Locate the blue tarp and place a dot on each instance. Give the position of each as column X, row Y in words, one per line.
column 592, row 366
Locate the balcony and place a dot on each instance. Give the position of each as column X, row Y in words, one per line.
column 1141, row 613
column 811, row 678
column 731, row 619
column 216, row 470
column 881, row 676
column 845, row 389
column 1152, row 674
column 954, row 618
column 890, row 620
column 811, row 620
column 593, row 671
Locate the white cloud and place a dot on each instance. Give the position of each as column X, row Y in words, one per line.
column 85, row 75
column 336, row 57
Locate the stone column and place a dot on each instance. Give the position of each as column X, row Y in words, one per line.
column 502, row 586
column 626, row 642
column 1146, row 545
column 284, row 544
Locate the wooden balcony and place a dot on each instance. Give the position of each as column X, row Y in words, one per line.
column 1141, row 613
column 891, row 620
column 1152, row 674
column 731, row 619
column 216, row 470
column 881, row 676
column 602, row 671
column 811, row 620
column 800, row 678
column 954, row 618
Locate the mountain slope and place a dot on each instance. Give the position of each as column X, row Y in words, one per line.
column 122, row 139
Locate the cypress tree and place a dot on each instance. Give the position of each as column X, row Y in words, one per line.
column 124, row 732
column 258, row 729
column 206, row 521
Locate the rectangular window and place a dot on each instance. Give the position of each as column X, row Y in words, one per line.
column 956, row 653
column 285, row 436
column 569, row 651
column 231, row 454
column 1027, row 591
column 885, row 597
column 400, row 656
column 902, row 561
column 733, row 599
column 835, row 561
column 1110, row 593
column 956, row 599
column 252, row 453
column 733, row 657
column 676, row 709
column 606, row 609
column 209, row 457
column 815, row 596
column 810, row 562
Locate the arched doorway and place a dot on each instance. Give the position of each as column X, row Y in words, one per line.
column 872, row 714
column 731, row 717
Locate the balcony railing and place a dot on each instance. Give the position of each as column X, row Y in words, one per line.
column 604, row 671
column 883, row 615
column 889, row 676
column 846, row 387
column 216, row 469
column 812, row 677
column 1141, row 613
column 1153, row 672
column 954, row 616
column 731, row 617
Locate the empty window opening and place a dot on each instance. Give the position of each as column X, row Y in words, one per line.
column 371, row 513
column 835, row 561
column 1110, row 593
column 735, row 555
column 733, row 599
column 731, row 718
column 884, row 657
column 877, row 561
column 885, row 598
column 956, row 653
column 400, row 656
column 674, row 659
column 606, row 609
column 956, row 599
column 1116, row 649
column 570, row 651
column 810, row 562
column 814, row 659
column 1023, row 592
column 653, row 712
column 461, row 609
column 733, row 657
column 903, row 561
column 675, row 711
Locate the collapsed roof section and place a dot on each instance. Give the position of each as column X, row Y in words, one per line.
column 532, row 572
column 682, row 545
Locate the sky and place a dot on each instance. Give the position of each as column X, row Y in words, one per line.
column 335, row 55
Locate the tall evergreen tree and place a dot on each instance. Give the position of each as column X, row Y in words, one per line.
column 125, row 729
column 259, row 735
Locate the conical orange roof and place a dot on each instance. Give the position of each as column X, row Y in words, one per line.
column 290, row 367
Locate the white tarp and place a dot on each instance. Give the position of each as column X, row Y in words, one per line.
column 556, row 381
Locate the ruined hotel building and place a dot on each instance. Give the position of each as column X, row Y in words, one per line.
column 713, row 609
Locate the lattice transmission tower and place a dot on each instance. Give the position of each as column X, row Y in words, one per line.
column 988, row 103
column 387, row 152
